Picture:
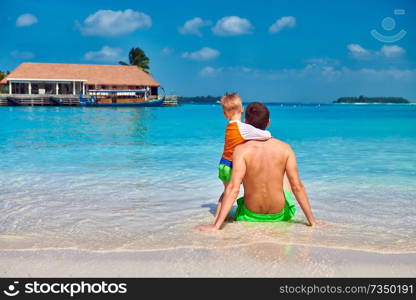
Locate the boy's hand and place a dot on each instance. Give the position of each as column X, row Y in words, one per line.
column 206, row 227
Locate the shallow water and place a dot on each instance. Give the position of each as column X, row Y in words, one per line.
column 141, row 178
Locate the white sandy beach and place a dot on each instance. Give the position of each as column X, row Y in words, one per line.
column 255, row 260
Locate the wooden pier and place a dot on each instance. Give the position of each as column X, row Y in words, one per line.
column 56, row 100
column 38, row 100
column 170, row 100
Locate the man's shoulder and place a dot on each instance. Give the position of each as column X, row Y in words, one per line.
column 279, row 142
column 243, row 147
column 254, row 143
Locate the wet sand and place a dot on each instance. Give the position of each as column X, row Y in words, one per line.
column 255, row 260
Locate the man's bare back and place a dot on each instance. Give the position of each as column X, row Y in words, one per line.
column 263, row 180
column 261, row 167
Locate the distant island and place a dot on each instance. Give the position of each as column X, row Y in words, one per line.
column 363, row 99
column 360, row 99
column 198, row 99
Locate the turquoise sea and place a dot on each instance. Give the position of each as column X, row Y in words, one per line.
column 142, row 178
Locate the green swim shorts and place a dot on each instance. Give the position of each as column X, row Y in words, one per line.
column 224, row 173
column 243, row 214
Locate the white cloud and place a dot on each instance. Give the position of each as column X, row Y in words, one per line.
column 113, row 23
column 332, row 74
column 209, row 71
column 382, row 74
column 106, row 54
column 392, row 51
column 22, row 54
column 282, row 23
column 317, row 73
column 360, row 53
column 204, row 53
column 167, row 51
column 193, row 26
column 319, row 80
column 26, row 20
column 233, row 25
column 326, row 61
column 246, row 70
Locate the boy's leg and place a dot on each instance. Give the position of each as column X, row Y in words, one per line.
column 220, row 201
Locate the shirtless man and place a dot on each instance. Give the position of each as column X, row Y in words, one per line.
column 261, row 167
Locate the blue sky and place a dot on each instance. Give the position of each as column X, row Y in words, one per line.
column 300, row 51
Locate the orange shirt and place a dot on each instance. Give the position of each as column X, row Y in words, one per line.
column 237, row 133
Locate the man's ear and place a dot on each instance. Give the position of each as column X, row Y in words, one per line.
column 268, row 124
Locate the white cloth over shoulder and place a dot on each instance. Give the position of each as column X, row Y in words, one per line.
column 249, row 132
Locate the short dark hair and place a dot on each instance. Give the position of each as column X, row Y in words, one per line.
column 257, row 114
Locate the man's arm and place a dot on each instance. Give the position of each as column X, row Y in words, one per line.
column 298, row 187
column 231, row 192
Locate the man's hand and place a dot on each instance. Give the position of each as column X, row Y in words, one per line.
column 206, row 227
column 317, row 224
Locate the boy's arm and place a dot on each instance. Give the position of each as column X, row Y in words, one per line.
column 249, row 132
column 231, row 192
column 298, row 187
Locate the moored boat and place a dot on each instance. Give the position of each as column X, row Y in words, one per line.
column 121, row 98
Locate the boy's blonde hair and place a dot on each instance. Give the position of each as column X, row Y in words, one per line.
column 231, row 103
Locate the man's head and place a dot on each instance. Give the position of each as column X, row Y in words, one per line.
column 258, row 115
column 232, row 105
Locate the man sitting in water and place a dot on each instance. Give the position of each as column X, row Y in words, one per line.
column 261, row 167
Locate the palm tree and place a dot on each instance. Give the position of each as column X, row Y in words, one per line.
column 4, row 89
column 139, row 59
column 3, row 74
